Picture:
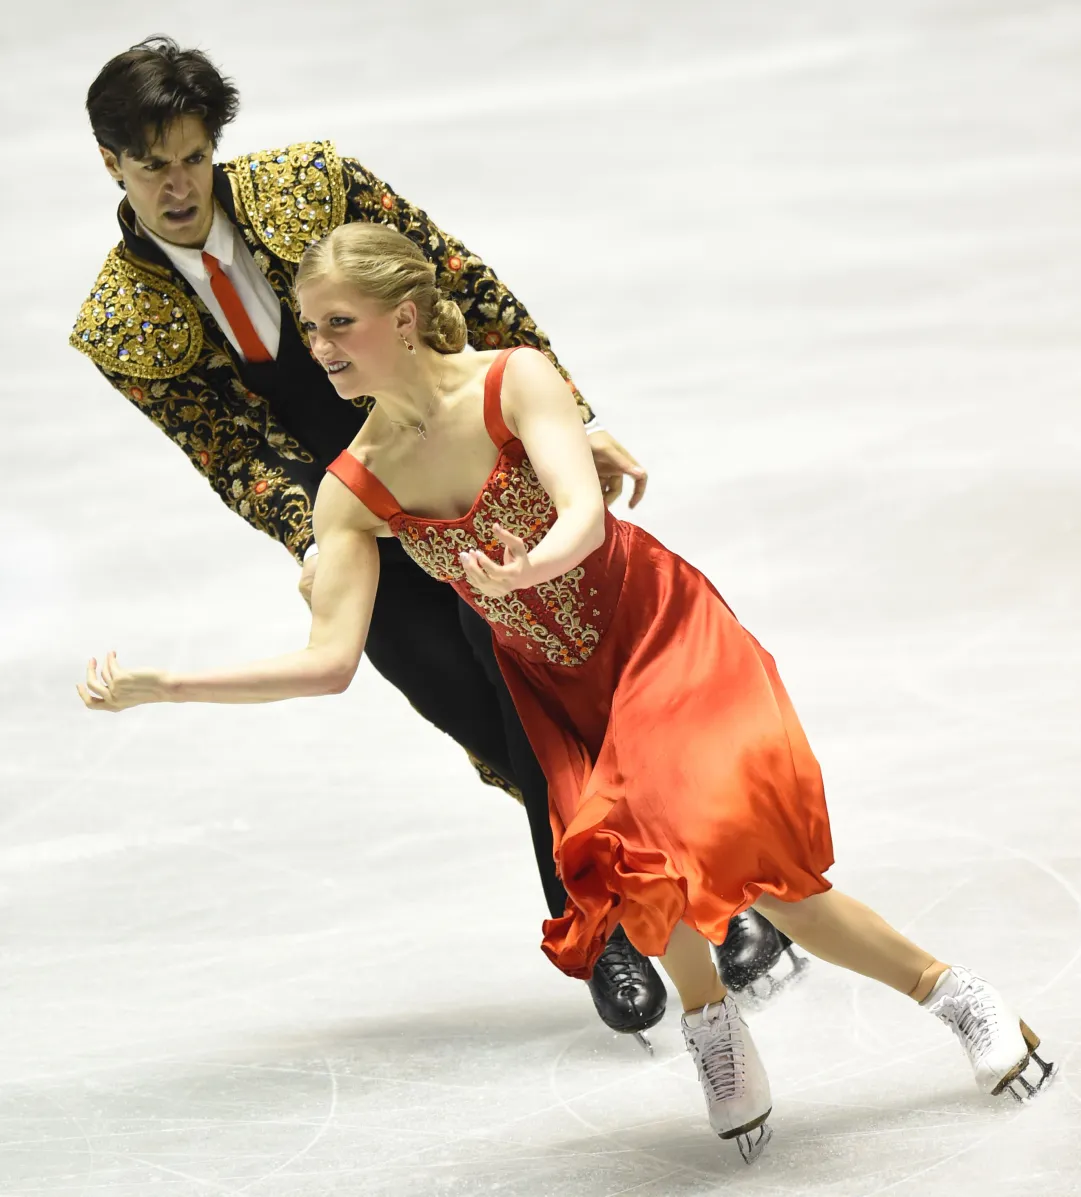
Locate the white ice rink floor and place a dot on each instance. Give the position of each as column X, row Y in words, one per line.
column 819, row 266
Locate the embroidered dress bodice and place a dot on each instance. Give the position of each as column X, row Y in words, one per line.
column 560, row 621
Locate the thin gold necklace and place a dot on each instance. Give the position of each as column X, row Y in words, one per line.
column 421, row 428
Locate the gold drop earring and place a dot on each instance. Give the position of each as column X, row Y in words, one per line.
column 408, row 345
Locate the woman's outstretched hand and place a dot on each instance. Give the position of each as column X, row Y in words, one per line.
column 117, row 689
column 485, row 575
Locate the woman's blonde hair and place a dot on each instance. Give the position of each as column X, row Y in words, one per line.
column 386, row 266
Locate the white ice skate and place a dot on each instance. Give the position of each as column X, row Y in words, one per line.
column 732, row 1076
column 999, row 1045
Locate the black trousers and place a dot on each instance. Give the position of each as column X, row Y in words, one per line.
column 438, row 652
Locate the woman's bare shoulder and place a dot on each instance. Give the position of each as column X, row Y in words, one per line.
column 337, row 507
column 530, row 368
column 532, row 383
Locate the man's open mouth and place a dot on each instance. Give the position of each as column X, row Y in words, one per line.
column 179, row 215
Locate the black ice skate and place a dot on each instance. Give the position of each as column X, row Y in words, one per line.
column 629, row 995
column 750, row 959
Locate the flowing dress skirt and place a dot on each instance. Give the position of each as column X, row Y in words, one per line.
column 681, row 785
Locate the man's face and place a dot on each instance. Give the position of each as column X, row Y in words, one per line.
column 171, row 187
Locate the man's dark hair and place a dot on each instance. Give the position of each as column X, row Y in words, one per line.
column 139, row 93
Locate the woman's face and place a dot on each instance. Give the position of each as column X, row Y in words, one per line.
column 353, row 338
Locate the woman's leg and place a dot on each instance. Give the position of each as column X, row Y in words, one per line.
column 730, row 1071
column 843, row 931
column 839, row 929
column 689, row 965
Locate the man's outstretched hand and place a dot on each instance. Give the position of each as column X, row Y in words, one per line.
column 613, row 464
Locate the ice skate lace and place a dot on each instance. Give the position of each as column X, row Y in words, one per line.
column 718, row 1051
column 971, row 1014
column 741, row 922
column 620, row 963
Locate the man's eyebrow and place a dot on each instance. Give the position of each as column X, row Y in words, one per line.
column 154, row 160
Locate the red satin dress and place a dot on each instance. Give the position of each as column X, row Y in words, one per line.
column 681, row 785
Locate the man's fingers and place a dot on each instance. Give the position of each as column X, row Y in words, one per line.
column 641, row 478
column 611, row 488
column 614, row 457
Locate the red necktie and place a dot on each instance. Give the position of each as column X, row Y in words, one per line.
column 239, row 320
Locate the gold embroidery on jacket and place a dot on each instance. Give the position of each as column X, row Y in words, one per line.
column 293, row 196
column 491, row 778
column 138, row 322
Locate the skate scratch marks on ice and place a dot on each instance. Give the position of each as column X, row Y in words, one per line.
column 332, row 1076
column 1007, row 849
column 838, row 1072
column 229, row 1191
column 860, row 985
column 654, row 1064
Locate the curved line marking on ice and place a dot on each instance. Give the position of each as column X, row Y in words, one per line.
column 299, row 1155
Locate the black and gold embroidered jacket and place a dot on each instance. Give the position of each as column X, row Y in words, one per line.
column 155, row 341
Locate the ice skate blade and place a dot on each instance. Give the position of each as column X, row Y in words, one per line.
column 643, row 1039
column 765, row 989
column 751, row 1140
column 1019, row 1087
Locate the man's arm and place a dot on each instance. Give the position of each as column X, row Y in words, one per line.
column 257, row 472
column 494, row 317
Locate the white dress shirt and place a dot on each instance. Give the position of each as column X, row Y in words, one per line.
column 225, row 243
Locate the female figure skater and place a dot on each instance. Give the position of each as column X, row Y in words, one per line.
column 682, row 788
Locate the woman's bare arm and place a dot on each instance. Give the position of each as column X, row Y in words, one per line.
column 539, row 408
column 342, row 600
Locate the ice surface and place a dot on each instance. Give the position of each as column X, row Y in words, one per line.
column 818, row 265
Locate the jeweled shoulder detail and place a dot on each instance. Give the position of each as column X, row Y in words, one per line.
column 293, row 197
column 138, row 321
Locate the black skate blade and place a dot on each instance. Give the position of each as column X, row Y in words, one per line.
column 643, row 1039
column 1021, row 1089
column 753, row 1144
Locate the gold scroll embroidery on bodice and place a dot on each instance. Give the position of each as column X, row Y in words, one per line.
column 549, row 619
